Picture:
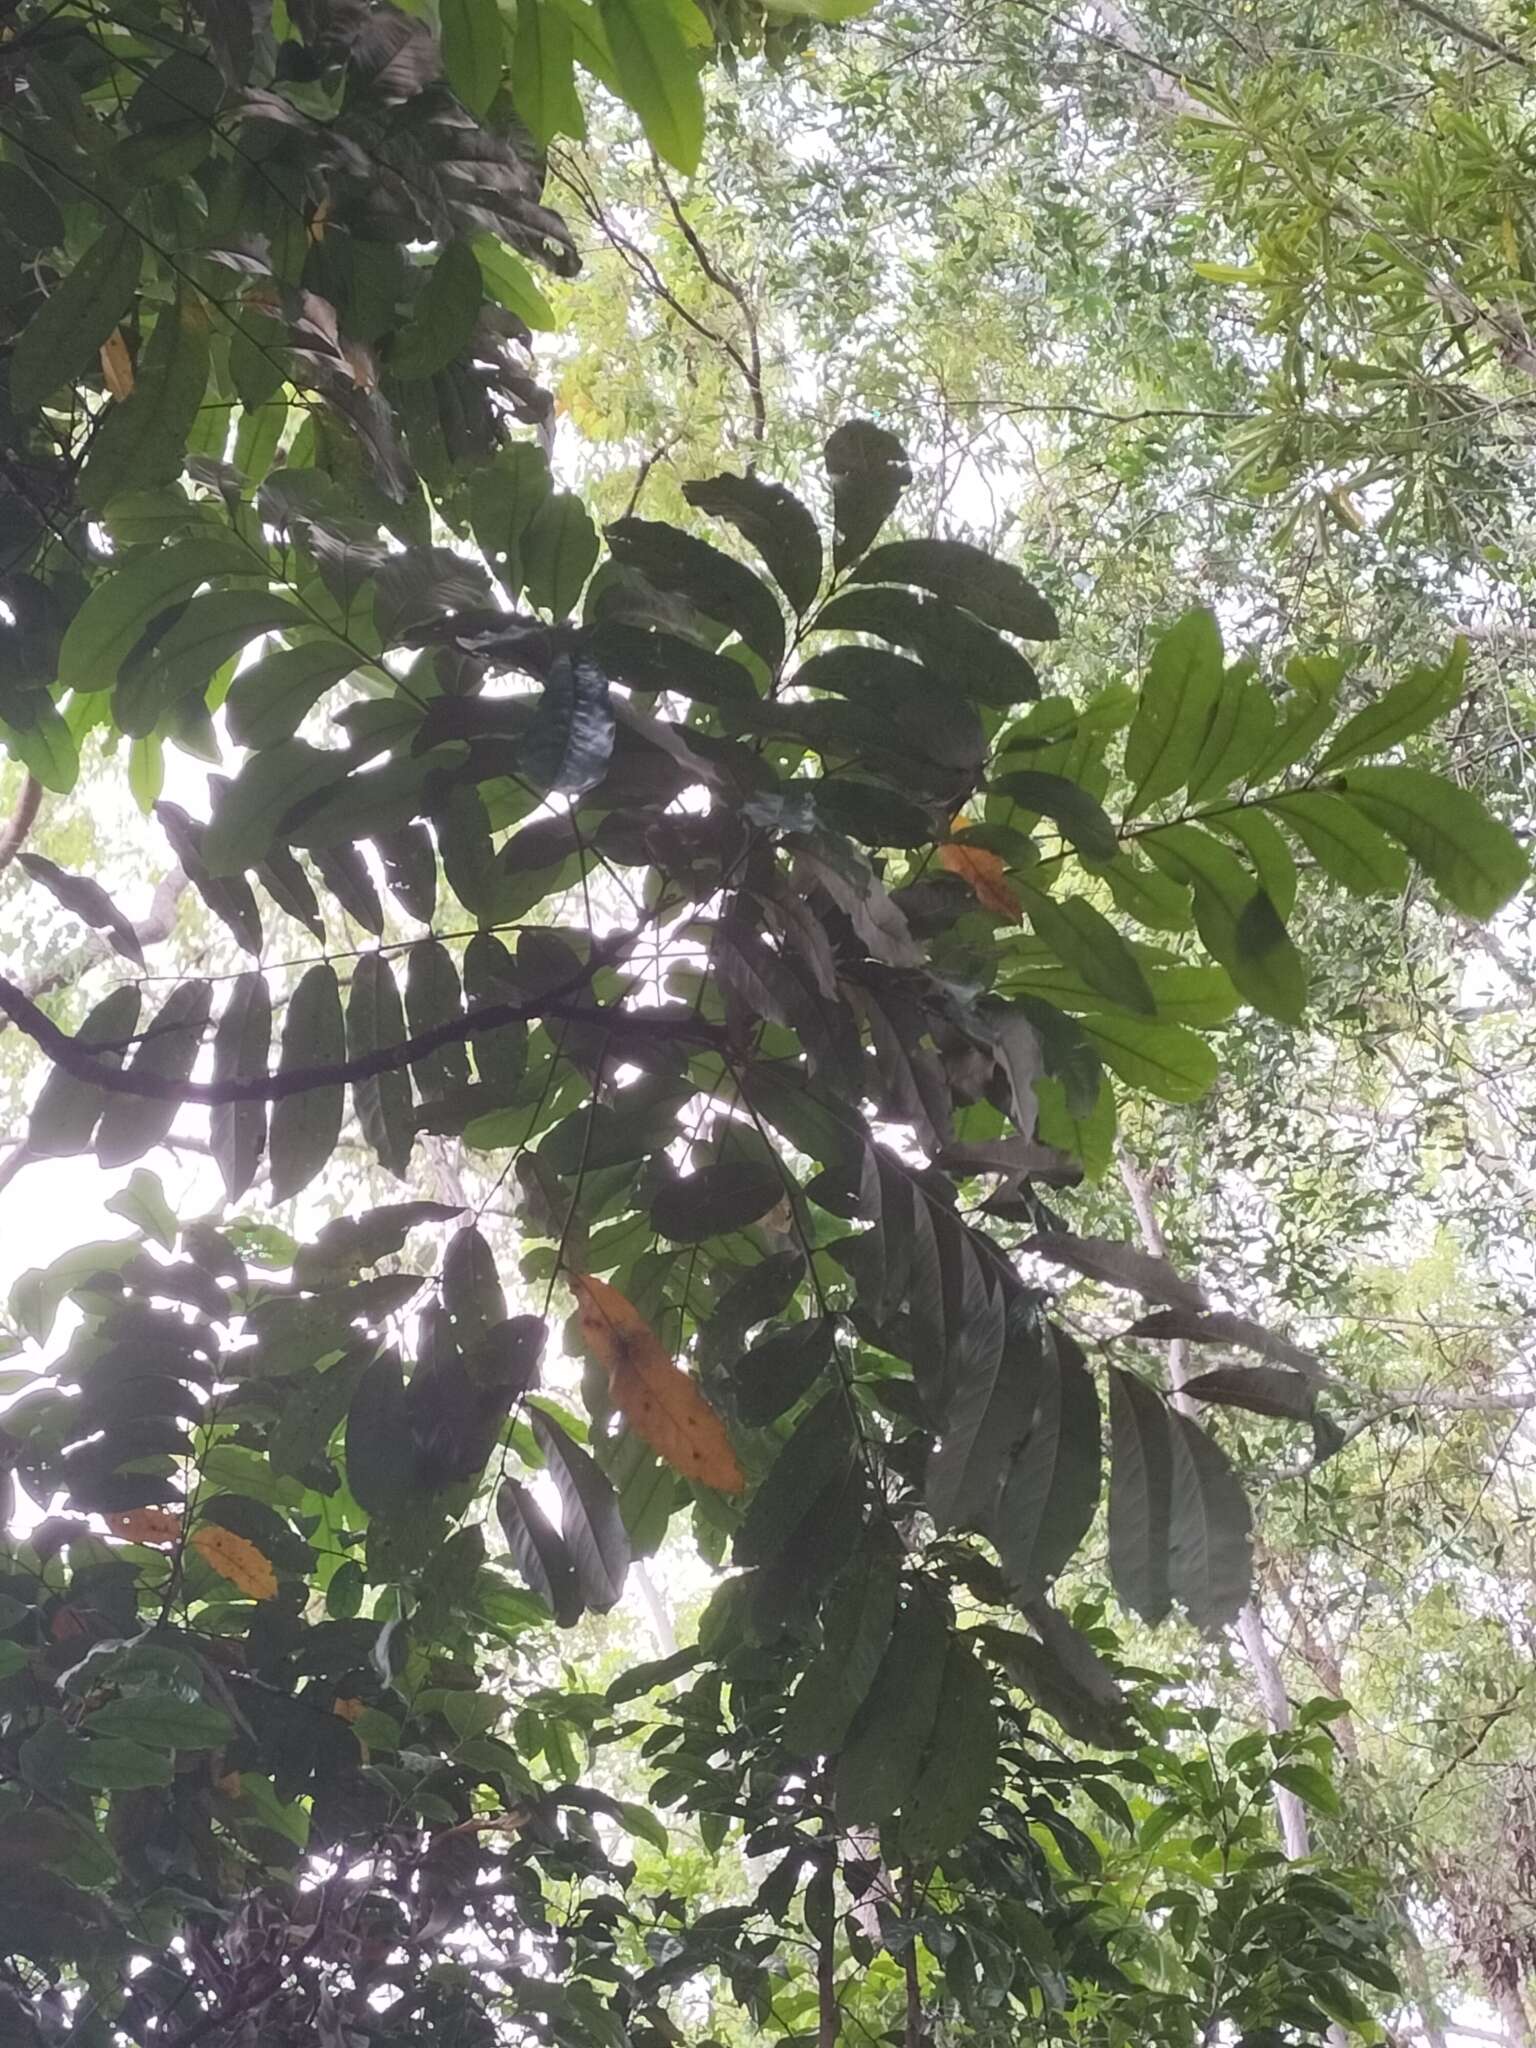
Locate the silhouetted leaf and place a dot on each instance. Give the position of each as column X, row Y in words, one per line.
column 953, row 570
column 1210, row 1534
column 882, row 1759
column 375, row 1021
column 539, row 1552
column 719, row 587
column 1261, row 1389
column 88, row 900
column 856, row 1628
column 776, row 524
column 781, row 1367
column 961, row 1763
column 66, row 1110
column 952, row 642
column 868, row 470
column 240, row 1046
column 305, row 1127
column 717, row 1199
column 380, row 1455
column 1140, row 1495
column 570, row 742
column 167, row 1050
column 589, row 1514
column 1049, row 1491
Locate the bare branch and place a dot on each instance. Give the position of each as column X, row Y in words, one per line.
column 13, row 835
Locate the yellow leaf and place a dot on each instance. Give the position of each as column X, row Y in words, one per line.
column 145, row 1525
column 318, row 219
column 235, row 1558
column 983, row 874
column 117, row 365
column 660, row 1402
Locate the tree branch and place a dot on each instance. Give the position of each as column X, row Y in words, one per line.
column 13, row 835
column 68, row 1053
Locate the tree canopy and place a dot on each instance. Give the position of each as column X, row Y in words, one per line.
column 768, row 815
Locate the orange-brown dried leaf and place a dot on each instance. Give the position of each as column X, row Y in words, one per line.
column 229, row 1785
column 117, row 365
column 984, row 875
column 145, row 1525
column 348, row 1710
column 658, row 1400
column 235, row 1558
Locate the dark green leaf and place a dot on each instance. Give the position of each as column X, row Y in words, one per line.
column 87, row 899
column 1050, row 1488
column 376, row 1020
column 868, row 470
column 716, row 585
column 143, row 439
column 1083, row 820
column 432, row 997
column 472, row 37
column 890, row 1736
column 776, row 524
column 995, row 591
column 269, row 701
column 130, row 596
column 1140, row 1495
column 505, row 496
column 954, row 643
column 305, row 1127
column 249, row 809
column 539, row 1552
column 1240, row 733
column 1261, row 1389
column 1346, row 845
column 240, row 1047
column 556, row 550
column 229, row 897
column 781, row 1367
column 856, row 1629
column 1168, row 1061
column 61, row 339
column 1210, row 1545
column 1083, row 938
column 1064, row 1674
column 1236, row 919
column 66, row 1110
column 592, row 1527
column 716, row 1200
column 570, row 742
column 131, row 1124
column 381, row 1458
column 960, row 1766
column 444, row 315
column 813, row 1462
column 988, row 1412
column 43, row 744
